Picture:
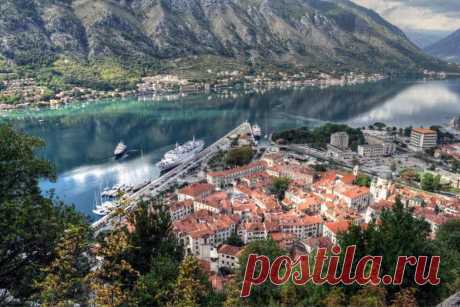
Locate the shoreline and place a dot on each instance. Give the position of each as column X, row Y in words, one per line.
column 85, row 94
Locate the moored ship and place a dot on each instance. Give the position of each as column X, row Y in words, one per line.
column 257, row 131
column 180, row 154
column 120, row 150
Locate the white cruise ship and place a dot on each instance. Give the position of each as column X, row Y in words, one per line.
column 180, row 154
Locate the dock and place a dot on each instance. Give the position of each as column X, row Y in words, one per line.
column 163, row 183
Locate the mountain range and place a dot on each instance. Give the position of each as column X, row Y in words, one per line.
column 447, row 48
column 313, row 33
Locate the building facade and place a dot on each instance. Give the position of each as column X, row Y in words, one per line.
column 340, row 140
column 422, row 139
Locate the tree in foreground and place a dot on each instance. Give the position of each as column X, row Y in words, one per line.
column 31, row 225
column 192, row 287
column 264, row 294
column 64, row 284
column 114, row 279
column 399, row 233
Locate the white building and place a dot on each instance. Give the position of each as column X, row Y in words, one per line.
column 376, row 150
column 339, row 154
column 229, row 256
column 250, row 232
column 422, row 139
column 340, row 140
column 381, row 188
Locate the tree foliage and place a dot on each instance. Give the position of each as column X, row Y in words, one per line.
column 387, row 240
column 191, row 287
column 31, row 225
column 279, row 187
column 239, row 156
column 430, row 182
column 64, row 284
column 320, row 137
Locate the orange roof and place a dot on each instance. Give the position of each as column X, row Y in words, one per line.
column 348, row 179
column 229, row 250
column 356, row 192
column 280, row 236
column 196, row 189
column 254, row 227
column 181, row 204
column 337, row 227
column 423, row 131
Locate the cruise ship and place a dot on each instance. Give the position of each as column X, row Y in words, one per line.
column 180, row 154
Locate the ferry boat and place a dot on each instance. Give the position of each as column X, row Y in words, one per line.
column 256, row 131
column 180, row 154
column 120, row 150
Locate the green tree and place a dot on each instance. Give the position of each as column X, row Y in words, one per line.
column 64, row 284
column 152, row 236
column 363, row 180
column 157, row 286
column 31, row 226
column 369, row 297
column 114, row 280
column 449, row 233
column 336, row 297
column 232, row 294
column 261, row 295
column 405, row 298
column 234, row 240
column 192, row 287
column 279, row 187
column 239, row 156
column 20, row 168
column 386, row 240
column 430, row 183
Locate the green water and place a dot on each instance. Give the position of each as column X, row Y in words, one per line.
column 81, row 137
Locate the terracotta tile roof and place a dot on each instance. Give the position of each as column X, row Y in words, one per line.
column 337, row 227
column 197, row 189
column 250, row 227
column 356, row 192
column 230, row 250
column 181, row 204
column 280, row 236
column 348, row 178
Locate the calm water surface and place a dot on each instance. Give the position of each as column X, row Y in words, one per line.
column 81, row 138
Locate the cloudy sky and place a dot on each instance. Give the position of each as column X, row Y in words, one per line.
column 418, row 15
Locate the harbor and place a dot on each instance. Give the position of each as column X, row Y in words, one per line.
column 154, row 188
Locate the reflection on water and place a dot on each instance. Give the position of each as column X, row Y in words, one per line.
column 81, row 138
column 425, row 104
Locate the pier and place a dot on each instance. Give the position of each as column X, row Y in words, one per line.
column 163, row 183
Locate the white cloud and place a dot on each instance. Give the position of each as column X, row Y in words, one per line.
column 439, row 15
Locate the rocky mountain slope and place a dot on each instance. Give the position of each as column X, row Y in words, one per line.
column 447, row 48
column 321, row 33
